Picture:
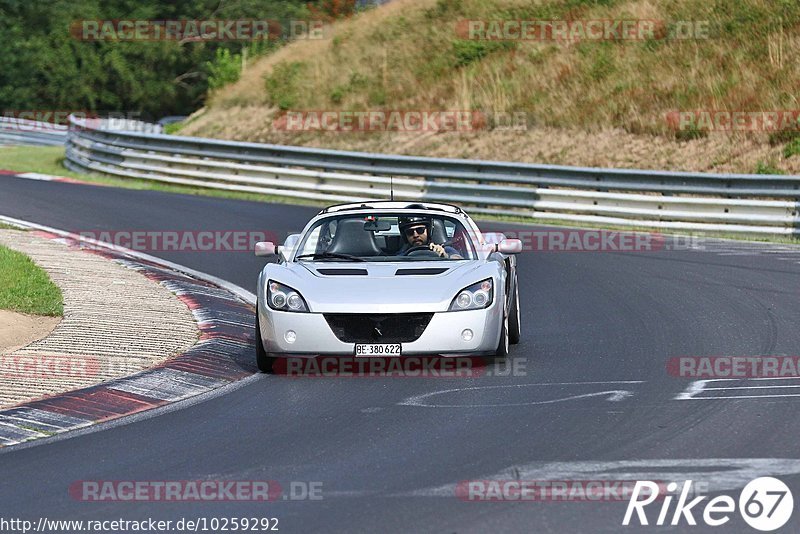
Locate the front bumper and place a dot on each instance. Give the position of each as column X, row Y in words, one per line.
column 314, row 337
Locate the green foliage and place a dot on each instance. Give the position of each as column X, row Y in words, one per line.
column 653, row 45
column 224, row 69
column 756, row 18
column 468, row 51
column 173, row 128
column 355, row 84
column 330, row 10
column 444, row 8
column 283, row 84
column 337, row 95
column 784, row 136
column 602, row 65
column 690, row 133
column 25, row 287
column 572, row 4
column 45, row 67
column 767, row 168
column 377, row 96
column 792, row 149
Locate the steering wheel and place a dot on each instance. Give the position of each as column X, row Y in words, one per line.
column 419, row 250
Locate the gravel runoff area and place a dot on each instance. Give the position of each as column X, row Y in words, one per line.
column 18, row 329
column 116, row 322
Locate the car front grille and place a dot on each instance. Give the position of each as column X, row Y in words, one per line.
column 378, row 328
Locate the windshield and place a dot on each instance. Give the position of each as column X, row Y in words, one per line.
column 387, row 237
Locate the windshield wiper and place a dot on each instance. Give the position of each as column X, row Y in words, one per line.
column 330, row 256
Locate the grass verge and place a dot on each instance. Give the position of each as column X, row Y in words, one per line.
column 41, row 159
column 25, row 287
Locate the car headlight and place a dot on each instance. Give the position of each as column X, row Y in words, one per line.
column 284, row 298
column 474, row 297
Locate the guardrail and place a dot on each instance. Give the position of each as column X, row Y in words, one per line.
column 15, row 131
column 735, row 203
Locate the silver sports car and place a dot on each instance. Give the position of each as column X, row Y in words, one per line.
column 388, row 279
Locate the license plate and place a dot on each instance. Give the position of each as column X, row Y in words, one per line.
column 378, row 349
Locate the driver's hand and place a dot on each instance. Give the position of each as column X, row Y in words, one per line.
column 438, row 249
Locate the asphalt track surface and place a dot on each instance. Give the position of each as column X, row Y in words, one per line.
column 386, row 465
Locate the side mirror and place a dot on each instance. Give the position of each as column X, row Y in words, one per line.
column 509, row 246
column 265, row 248
column 491, row 240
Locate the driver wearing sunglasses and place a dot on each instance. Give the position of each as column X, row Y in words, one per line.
column 416, row 233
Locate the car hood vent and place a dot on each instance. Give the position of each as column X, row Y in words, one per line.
column 343, row 272
column 420, row 271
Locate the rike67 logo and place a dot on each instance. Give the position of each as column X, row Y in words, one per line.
column 765, row 504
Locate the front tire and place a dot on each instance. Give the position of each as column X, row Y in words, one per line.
column 502, row 346
column 514, row 329
column 263, row 360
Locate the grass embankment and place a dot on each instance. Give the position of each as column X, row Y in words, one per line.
column 25, row 287
column 597, row 103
